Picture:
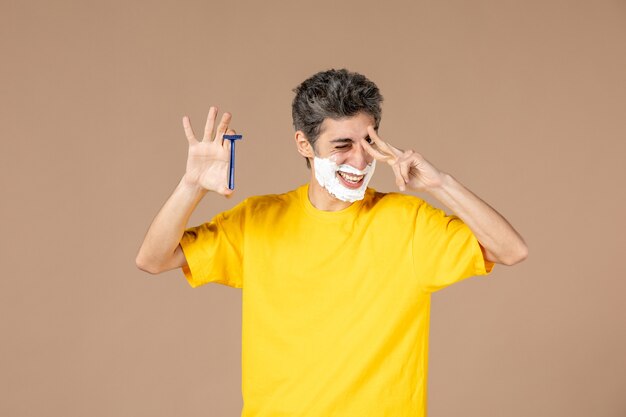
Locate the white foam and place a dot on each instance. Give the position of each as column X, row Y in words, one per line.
column 325, row 173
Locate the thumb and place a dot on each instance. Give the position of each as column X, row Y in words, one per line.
column 227, row 192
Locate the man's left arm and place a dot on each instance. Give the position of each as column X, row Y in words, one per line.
column 499, row 241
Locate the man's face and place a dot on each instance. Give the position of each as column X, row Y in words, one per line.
column 339, row 142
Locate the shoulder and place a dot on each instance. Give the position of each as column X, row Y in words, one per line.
column 394, row 201
column 270, row 200
column 267, row 203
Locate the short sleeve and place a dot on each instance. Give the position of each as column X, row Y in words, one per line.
column 214, row 250
column 445, row 249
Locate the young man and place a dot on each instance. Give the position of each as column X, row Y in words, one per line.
column 336, row 277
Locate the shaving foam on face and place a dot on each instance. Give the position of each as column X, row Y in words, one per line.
column 326, row 175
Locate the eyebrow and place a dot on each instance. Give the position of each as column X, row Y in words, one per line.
column 343, row 140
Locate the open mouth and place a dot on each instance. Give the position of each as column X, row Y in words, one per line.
column 350, row 180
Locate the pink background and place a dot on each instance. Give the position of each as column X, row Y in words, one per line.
column 522, row 101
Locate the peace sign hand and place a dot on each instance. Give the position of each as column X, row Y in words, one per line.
column 208, row 161
column 410, row 168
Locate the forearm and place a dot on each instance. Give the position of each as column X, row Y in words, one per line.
column 168, row 226
column 491, row 229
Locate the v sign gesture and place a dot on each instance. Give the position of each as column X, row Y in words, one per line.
column 410, row 168
column 499, row 241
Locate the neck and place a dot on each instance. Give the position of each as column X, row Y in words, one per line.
column 323, row 200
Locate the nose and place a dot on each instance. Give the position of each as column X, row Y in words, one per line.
column 360, row 159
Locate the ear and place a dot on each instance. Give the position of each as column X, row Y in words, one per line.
column 304, row 147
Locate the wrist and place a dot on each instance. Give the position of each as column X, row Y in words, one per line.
column 191, row 185
column 442, row 186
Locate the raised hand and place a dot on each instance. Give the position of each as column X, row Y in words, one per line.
column 208, row 160
column 410, row 168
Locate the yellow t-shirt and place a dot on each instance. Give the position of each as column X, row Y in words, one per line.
column 336, row 305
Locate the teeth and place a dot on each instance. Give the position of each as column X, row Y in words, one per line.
column 350, row 178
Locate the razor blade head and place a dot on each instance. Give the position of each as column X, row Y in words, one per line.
column 232, row 137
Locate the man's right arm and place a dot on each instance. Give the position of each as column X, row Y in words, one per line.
column 208, row 163
column 161, row 250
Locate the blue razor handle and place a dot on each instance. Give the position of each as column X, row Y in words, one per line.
column 231, row 172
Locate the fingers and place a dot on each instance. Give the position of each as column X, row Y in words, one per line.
column 189, row 131
column 227, row 145
column 210, row 123
column 395, row 150
column 402, row 167
column 404, row 164
column 228, row 132
column 385, row 148
column 378, row 155
column 221, row 129
column 400, row 182
column 375, row 153
column 209, row 127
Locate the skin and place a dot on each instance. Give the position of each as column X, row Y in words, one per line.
column 499, row 241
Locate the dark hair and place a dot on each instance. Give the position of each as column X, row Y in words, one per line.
column 334, row 94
